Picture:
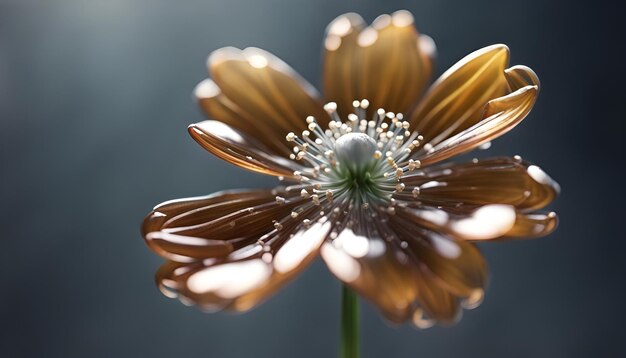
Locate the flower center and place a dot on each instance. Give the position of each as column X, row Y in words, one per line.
column 359, row 161
column 356, row 163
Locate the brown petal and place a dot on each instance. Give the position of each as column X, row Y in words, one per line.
column 341, row 76
column 376, row 269
column 483, row 223
column 387, row 63
column 263, row 245
column 260, row 95
column 216, row 105
column 247, row 276
column 508, row 181
column 500, row 116
column 533, row 225
column 488, row 222
column 458, row 265
column 456, row 100
column 236, row 148
column 190, row 229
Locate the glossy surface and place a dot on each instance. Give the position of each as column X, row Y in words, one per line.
column 404, row 243
column 388, row 62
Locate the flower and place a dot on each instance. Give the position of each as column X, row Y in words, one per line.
column 363, row 186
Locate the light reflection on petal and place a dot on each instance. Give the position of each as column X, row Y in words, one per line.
column 339, row 263
column 230, row 280
column 487, row 222
column 304, row 243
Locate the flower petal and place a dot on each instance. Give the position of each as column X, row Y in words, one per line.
column 376, row 269
column 189, row 229
column 387, row 63
column 484, row 223
column 237, row 148
column 265, row 254
column 409, row 274
column 500, row 116
column 260, row 95
column 533, row 225
column 340, row 74
column 509, row 181
column 455, row 101
column 458, row 265
column 216, row 105
column 488, row 222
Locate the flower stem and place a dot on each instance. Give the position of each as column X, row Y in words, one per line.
column 349, row 324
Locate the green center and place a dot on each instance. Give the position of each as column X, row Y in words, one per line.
column 361, row 183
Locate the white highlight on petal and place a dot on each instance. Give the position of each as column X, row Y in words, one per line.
column 445, row 247
column 206, row 89
column 340, row 26
column 381, row 21
column 401, row 18
column 339, row 263
column 245, row 252
column 538, row 175
column 257, row 61
column 230, row 280
column 178, row 239
column 420, row 321
column 219, row 129
column 332, row 42
column 485, row 146
column 487, row 222
column 432, row 184
column 427, row 45
column 354, row 245
column 300, row 246
column 435, row 216
column 542, row 177
column 367, row 37
column 377, row 248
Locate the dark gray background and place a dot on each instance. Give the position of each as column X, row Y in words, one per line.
column 95, row 97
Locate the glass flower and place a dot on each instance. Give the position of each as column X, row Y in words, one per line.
column 363, row 181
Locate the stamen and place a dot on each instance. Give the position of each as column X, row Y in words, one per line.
column 353, row 162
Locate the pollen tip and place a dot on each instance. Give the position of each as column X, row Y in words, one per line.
column 415, row 192
column 330, row 107
column 316, row 199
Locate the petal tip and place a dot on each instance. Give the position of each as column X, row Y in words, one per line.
column 223, row 54
column 402, row 18
column 206, row 89
column 345, row 24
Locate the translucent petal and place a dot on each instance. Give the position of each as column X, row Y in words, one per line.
column 457, row 264
column 260, row 95
column 456, row 100
column 189, row 229
column 238, row 149
column 499, row 116
column 510, row 181
column 254, row 268
column 387, row 63
column 381, row 273
column 407, row 270
column 533, row 225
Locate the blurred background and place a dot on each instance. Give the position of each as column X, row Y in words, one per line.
column 95, row 97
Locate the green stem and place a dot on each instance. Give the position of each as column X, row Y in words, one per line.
column 349, row 324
